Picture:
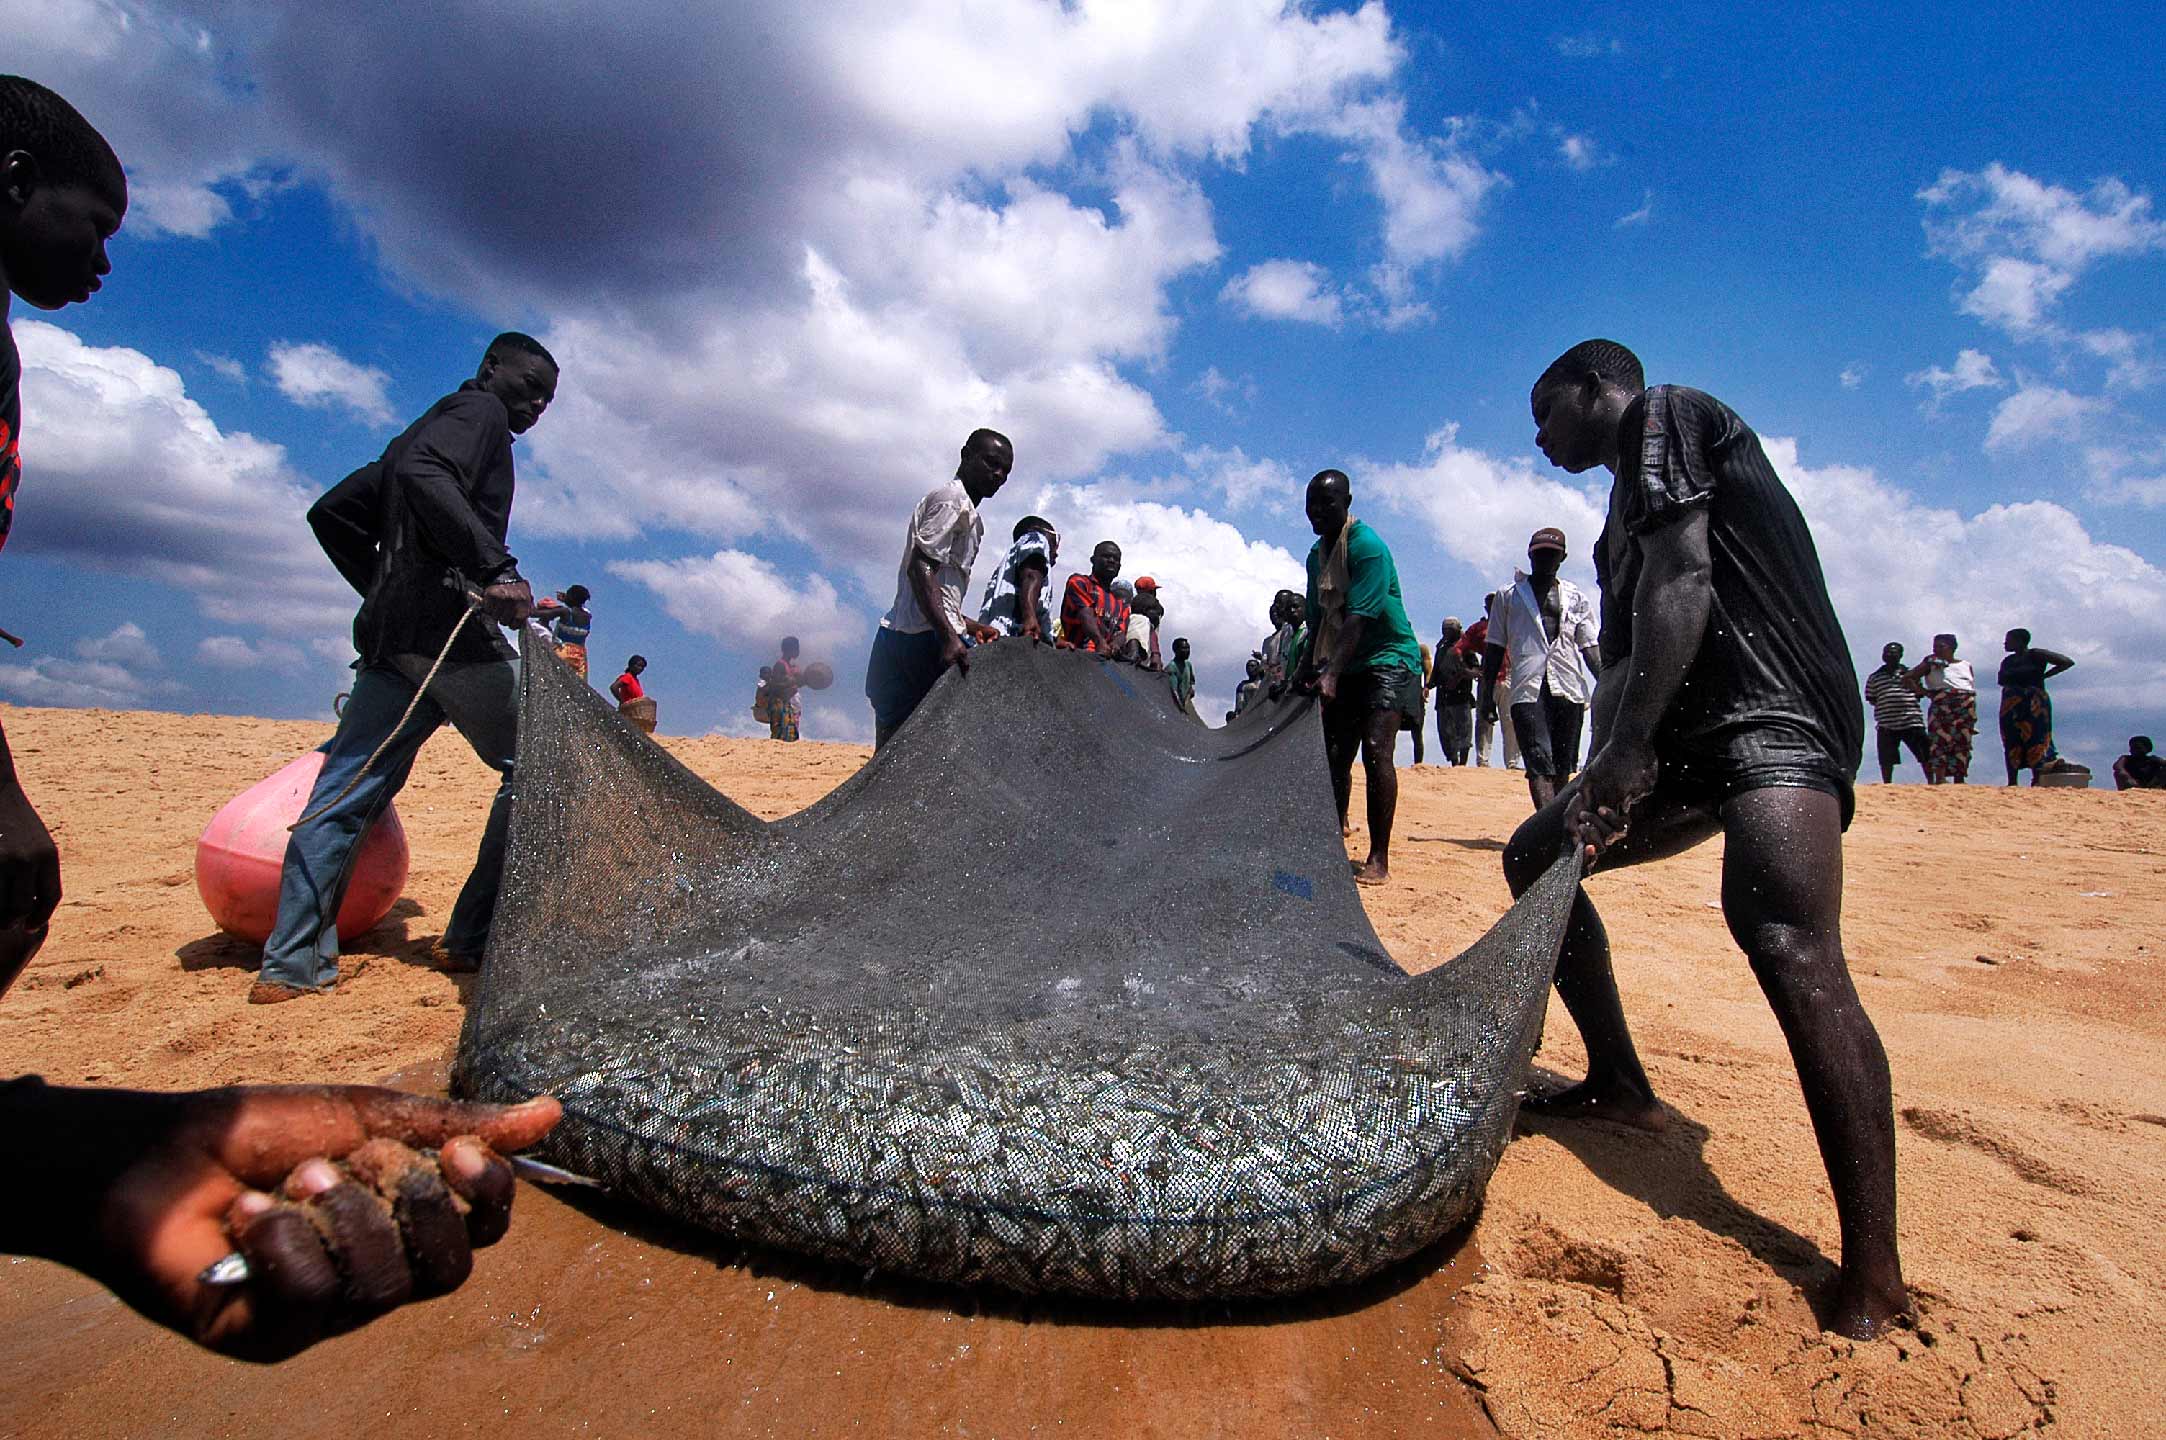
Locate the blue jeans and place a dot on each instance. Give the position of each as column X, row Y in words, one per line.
column 480, row 698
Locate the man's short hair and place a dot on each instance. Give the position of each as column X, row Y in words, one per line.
column 1325, row 477
column 981, row 434
column 1944, row 635
column 68, row 148
column 1606, row 358
column 514, row 342
column 2139, row 744
column 789, row 642
column 578, row 594
column 2021, row 636
column 1103, row 544
column 1029, row 523
column 635, row 660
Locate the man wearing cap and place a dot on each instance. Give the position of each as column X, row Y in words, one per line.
column 1362, row 659
column 1145, row 614
column 1015, row 597
column 1546, row 625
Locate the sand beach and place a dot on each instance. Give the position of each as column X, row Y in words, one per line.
column 2007, row 943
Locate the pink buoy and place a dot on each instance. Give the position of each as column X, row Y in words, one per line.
column 241, row 851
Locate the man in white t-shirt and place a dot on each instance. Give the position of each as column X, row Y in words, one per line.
column 1545, row 625
column 922, row 633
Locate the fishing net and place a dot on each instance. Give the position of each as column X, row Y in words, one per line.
column 1062, row 991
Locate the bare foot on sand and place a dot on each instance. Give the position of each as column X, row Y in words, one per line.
column 1589, row 1101
column 1867, row 1308
column 1369, row 872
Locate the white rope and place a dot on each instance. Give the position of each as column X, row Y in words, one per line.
column 411, row 706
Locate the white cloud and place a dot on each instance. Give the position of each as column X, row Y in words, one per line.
column 2037, row 413
column 124, row 644
column 231, row 652
column 746, row 601
column 1588, row 45
column 1853, row 375
column 1286, row 290
column 320, row 378
column 2025, row 242
column 123, row 472
column 1973, row 370
column 1641, row 216
column 225, row 367
column 1244, row 481
column 1226, row 396
column 1580, row 152
column 49, row 680
column 1480, row 509
column 1431, row 188
column 1900, row 569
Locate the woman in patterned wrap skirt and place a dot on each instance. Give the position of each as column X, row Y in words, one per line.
column 1953, row 718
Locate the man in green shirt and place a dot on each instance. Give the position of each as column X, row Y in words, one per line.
column 1362, row 658
column 1181, row 675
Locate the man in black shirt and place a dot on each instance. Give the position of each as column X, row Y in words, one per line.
column 1728, row 706
column 418, row 533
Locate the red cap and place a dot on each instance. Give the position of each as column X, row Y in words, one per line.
column 1145, row 582
column 1549, row 537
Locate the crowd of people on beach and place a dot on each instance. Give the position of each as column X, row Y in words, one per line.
column 1713, row 684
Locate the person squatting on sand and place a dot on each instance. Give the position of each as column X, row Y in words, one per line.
column 922, row 633
column 1730, row 707
column 417, row 533
column 1362, row 659
column 2139, row 769
column 1542, row 625
column 321, row 1188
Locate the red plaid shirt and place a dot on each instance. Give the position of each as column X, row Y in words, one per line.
column 1085, row 593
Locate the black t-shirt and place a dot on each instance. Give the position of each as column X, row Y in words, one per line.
column 2023, row 667
column 1772, row 682
column 11, row 424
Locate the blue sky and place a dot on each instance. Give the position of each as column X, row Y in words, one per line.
column 1184, row 255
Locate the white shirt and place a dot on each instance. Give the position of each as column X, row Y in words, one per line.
column 1516, row 624
column 946, row 530
column 1951, row 675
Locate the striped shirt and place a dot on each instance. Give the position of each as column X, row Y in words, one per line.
column 1895, row 704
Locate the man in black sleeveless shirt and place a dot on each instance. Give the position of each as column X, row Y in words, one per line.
column 1727, row 705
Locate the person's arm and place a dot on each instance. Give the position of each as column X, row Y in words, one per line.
column 926, row 589
column 616, row 690
column 434, row 475
column 1669, row 622
column 327, row 1191
column 1492, row 662
column 2123, row 777
column 2055, row 661
column 1094, row 632
column 1030, row 578
column 29, row 873
column 1350, row 634
column 344, row 520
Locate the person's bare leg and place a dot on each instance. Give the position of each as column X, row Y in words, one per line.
column 1379, row 769
column 1339, row 749
column 1616, row 1087
column 1782, row 894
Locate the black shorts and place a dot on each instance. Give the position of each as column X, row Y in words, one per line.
column 1548, row 729
column 1892, row 742
column 1711, row 785
column 1364, row 692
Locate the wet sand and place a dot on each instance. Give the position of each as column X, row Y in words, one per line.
column 2006, row 943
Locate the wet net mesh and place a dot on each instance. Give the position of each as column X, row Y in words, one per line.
column 1062, row 991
